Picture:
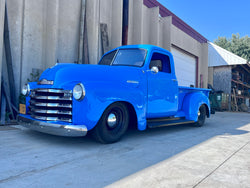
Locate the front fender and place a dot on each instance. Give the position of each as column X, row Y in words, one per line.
column 101, row 95
column 192, row 103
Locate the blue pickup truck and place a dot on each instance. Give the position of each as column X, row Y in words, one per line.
column 131, row 85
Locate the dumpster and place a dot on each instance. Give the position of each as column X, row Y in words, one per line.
column 219, row 101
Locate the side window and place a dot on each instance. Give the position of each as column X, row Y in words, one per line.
column 161, row 61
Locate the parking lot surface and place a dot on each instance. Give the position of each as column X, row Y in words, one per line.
column 215, row 155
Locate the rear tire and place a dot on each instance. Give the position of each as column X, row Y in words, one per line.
column 201, row 116
column 112, row 125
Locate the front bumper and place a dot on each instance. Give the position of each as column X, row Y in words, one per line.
column 52, row 128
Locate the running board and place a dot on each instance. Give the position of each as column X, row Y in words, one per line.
column 153, row 123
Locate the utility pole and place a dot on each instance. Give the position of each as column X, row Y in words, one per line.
column 125, row 22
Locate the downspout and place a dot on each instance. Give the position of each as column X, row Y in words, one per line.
column 81, row 33
column 125, row 14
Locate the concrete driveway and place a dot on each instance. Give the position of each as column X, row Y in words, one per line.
column 216, row 155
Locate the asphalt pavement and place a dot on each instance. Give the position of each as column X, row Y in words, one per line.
column 215, row 155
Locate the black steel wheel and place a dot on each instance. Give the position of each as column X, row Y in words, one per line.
column 201, row 116
column 113, row 124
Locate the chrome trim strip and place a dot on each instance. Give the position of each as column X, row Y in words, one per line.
column 51, row 97
column 52, row 112
column 50, row 104
column 51, row 118
column 53, row 90
column 180, row 123
column 132, row 82
column 45, row 118
column 54, row 129
column 51, row 107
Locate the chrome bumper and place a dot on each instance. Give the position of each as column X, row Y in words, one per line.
column 51, row 128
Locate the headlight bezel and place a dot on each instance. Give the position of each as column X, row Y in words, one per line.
column 79, row 92
column 26, row 89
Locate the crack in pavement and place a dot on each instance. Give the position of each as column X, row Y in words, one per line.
column 26, row 173
column 31, row 172
column 220, row 165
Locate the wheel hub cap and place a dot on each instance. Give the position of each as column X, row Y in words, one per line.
column 111, row 120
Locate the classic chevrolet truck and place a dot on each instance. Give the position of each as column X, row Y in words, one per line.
column 133, row 84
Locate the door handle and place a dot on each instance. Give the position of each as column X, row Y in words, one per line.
column 174, row 80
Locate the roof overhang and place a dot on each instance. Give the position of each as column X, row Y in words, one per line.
column 218, row 56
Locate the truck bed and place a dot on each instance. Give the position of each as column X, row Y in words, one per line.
column 183, row 91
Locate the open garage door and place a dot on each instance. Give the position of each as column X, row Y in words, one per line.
column 185, row 67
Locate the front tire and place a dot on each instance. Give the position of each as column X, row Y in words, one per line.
column 113, row 124
column 201, row 116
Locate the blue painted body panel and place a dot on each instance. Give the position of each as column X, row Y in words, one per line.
column 190, row 100
column 151, row 95
column 162, row 90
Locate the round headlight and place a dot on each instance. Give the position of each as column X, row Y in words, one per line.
column 26, row 90
column 79, row 92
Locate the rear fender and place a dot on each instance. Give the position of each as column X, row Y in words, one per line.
column 192, row 103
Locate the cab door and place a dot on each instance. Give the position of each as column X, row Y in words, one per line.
column 162, row 87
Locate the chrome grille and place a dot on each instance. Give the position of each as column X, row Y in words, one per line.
column 51, row 104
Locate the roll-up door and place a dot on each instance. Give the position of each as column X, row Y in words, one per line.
column 185, row 67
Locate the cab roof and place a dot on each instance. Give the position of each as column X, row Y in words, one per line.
column 143, row 46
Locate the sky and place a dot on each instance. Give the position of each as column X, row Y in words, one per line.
column 213, row 18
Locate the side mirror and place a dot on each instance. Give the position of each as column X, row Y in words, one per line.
column 154, row 70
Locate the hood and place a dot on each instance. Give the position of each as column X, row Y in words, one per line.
column 63, row 74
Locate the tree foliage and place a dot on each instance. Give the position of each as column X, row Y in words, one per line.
column 237, row 45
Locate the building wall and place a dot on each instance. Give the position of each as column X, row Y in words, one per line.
column 197, row 49
column 222, row 79
column 147, row 27
column 43, row 32
column 110, row 13
column 210, row 76
column 203, row 64
column 15, row 19
column 2, row 8
column 165, row 32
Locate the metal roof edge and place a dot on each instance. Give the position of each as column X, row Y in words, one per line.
column 226, row 51
column 223, row 53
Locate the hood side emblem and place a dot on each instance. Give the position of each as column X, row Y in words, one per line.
column 45, row 82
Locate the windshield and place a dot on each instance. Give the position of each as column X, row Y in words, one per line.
column 127, row 57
